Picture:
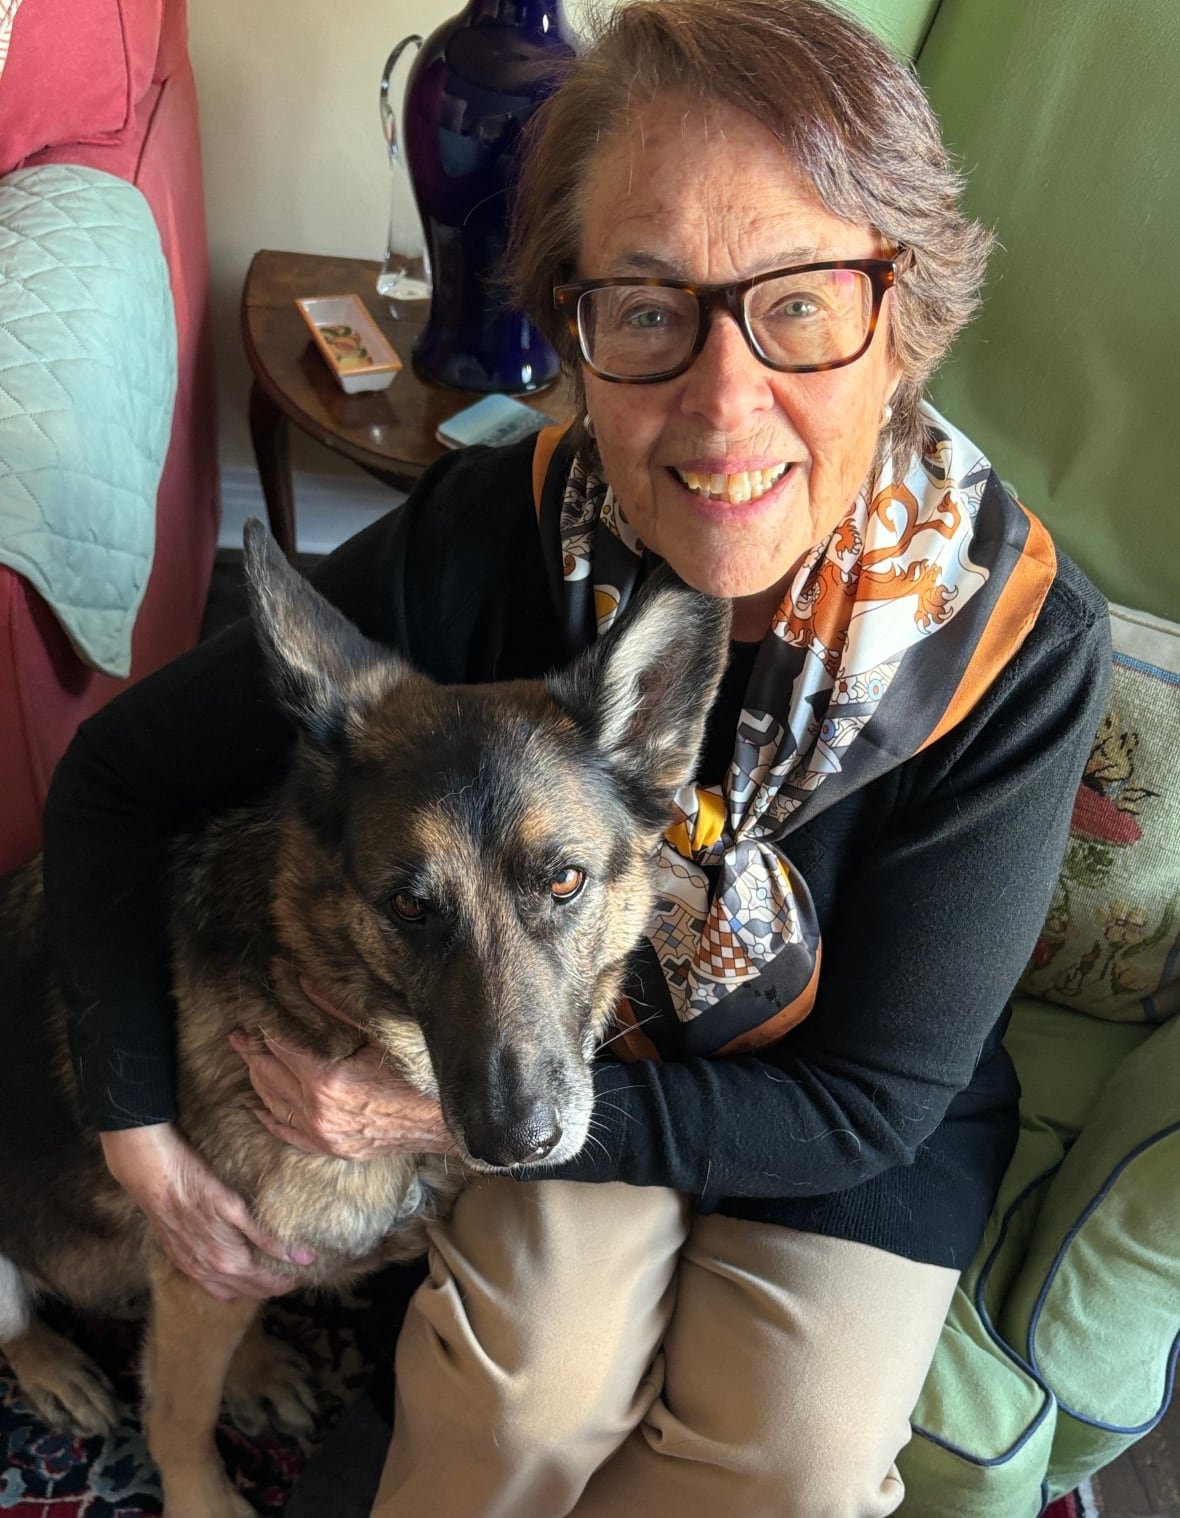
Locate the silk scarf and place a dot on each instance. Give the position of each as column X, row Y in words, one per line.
column 889, row 633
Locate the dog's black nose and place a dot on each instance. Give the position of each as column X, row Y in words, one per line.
column 534, row 1139
column 524, row 1142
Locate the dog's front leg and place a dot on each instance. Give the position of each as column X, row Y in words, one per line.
column 191, row 1340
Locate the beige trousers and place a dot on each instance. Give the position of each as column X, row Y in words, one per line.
column 599, row 1351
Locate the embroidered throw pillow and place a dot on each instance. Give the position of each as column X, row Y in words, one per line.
column 1110, row 945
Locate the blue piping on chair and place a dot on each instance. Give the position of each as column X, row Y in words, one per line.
column 1035, row 1371
column 1128, row 661
column 1001, row 1344
column 985, row 1271
column 1008, row 1454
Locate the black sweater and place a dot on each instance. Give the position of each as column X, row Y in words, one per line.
column 887, row 1115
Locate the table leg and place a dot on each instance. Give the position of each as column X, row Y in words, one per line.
column 272, row 453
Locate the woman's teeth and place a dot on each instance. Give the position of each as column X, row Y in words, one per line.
column 737, row 489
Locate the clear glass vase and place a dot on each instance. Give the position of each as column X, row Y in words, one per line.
column 404, row 277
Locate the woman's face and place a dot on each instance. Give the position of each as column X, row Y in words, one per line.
column 707, row 195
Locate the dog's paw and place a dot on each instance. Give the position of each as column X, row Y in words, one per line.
column 63, row 1385
column 269, row 1385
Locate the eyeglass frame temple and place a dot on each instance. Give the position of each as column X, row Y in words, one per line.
column 883, row 274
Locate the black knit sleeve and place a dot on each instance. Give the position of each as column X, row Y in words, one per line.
column 938, row 907
column 204, row 734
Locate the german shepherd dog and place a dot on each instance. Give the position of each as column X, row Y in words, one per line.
column 461, row 871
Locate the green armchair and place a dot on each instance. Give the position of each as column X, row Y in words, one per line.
column 1060, row 1349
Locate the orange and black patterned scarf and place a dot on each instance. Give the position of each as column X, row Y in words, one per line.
column 891, row 631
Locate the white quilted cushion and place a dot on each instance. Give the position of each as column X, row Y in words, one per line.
column 87, row 385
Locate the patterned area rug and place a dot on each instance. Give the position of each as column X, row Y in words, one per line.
column 1079, row 1504
column 47, row 1474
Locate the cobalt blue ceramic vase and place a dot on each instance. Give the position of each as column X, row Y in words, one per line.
column 475, row 82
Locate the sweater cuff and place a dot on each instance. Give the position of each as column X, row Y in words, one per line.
column 124, row 1083
column 614, row 1130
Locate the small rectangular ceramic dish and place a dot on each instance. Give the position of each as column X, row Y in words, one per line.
column 352, row 344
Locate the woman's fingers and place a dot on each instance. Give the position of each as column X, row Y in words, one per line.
column 214, row 1231
column 225, row 1271
column 203, row 1226
column 241, row 1219
column 338, row 1142
column 354, row 1108
column 302, row 1063
column 290, row 1109
column 288, row 1078
column 282, row 1091
column 296, row 1137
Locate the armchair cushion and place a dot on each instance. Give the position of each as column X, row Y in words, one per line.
column 1093, row 1308
column 87, row 381
column 987, row 1424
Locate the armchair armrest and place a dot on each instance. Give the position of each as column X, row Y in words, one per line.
column 88, row 361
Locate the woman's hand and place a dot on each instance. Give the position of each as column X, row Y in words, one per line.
column 355, row 1108
column 205, row 1229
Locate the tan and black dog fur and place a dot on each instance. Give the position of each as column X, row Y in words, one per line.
column 463, row 872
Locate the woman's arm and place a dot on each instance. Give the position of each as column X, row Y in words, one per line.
column 930, row 933
column 453, row 579
column 199, row 736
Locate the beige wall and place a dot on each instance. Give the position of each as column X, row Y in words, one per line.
column 293, row 152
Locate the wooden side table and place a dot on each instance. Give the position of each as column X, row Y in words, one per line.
column 389, row 433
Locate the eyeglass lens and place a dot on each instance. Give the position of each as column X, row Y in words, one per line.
column 799, row 319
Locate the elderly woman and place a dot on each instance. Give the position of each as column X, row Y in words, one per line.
column 739, row 225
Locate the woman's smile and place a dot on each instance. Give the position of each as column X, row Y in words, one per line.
column 738, row 487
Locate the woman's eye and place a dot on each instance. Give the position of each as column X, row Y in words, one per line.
column 408, row 907
column 797, row 306
column 649, row 310
column 566, row 884
column 648, row 318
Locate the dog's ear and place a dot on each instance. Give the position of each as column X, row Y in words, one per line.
column 323, row 668
column 644, row 690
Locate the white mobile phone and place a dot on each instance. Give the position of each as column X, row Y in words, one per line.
column 495, row 419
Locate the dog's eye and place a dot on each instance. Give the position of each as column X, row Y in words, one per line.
column 408, row 907
column 566, row 884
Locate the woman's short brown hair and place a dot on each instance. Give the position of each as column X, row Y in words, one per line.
column 852, row 116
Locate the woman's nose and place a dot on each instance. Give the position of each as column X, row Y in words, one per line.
column 726, row 382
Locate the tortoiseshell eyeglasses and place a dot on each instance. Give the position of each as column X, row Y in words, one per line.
column 809, row 317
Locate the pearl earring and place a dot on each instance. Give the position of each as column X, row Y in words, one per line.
column 886, row 414
column 588, row 424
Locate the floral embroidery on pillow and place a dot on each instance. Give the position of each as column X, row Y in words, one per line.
column 1092, row 948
